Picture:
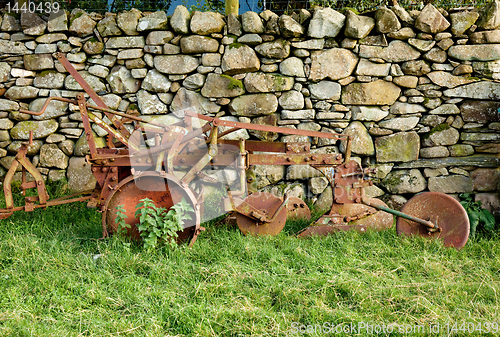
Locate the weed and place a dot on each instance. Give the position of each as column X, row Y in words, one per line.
column 157, row 225
column 481, row 220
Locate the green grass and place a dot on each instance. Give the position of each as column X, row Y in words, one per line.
column 58, row 279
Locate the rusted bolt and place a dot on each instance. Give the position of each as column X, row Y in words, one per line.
column 105, row 162
column 114, row 169
column 104, row 169
column 183, row 160
column 289, row 148
column 338, row 156
column 113, row 178
column 148, row 160
column 314, row 158
column 358, row 200
column 139, row 160
column 302, row 205
column 39, row 182
column 295, row 205
column 305, row 147
column 306, row 159
column 112, row 159
column 215, row 160
column 337, row 200
column 288, row 159
column 94, row 169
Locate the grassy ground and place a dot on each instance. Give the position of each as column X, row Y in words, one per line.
column 58, row 279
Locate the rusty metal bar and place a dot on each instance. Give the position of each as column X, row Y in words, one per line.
column 47, row 102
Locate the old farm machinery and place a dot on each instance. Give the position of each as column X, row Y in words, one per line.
column 167, row 162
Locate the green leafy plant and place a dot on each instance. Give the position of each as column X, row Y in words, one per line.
column 480, row 219
column 157, row 225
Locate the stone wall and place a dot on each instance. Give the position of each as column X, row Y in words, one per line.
column 417, row 89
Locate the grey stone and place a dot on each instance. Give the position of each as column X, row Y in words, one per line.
column 175, row 64
column 367, row 68
column 4, row 71
column 277, row 49
column 406, row 81
column 386, row 21
column 10, row 23
column 82, row 25
column 446, row 109
column 194, row 81
column 58, row 22
column 489, row 17
column 121, row 80
column 37, row 61
column 431, row 20
column 488, row 36
column 357, row 26
column 233, row 25
column 397, row 51
column 95, row 82
column 92, row 47
column 443, row 136
column 239, row 59
column 240, row 134
column 41, row 129
column 49, row 80
column 325, row 90
column 250, row 39
column 222, row 86
column 289, row 27
column 477, row 90
column 405, row 181
column 362, row 142
column 434, row 152
column 325, row 22
column 127, row 21
column 106, row 60
column 265, row 120
column 362, row 113
column 461, row 150
column 268, row 174
column 475, row 160
column 108, row 27
column 416, row 68
column 374, row 93
column 335, row 64
column 125, row 42
column 52, row 156
column 461, row 21
column 475, row 52
column 480, row 111
column 264, row 82
column 54, row 109
column 402, row 14
column 156, row 82
column 401, row 146
column 292, row 66
column 205, row 23
column 77, row 57
column 298, row 114
column 291, row 100
column 180, row 20
column 422, row 45
column 196, row 44
column 432, row 120
column 150, row 103
column 402, row 34
column 99, row 71
column 400, row 124
column 21, row 92
column 436, row 55
column 252, row 23
column 80, row 177
column 187, row 99
column 32, row 24
column 33, row 149
column 253, row 105
column 445, row 79
column 451, row 184
column 155, row 21
column 8, row 105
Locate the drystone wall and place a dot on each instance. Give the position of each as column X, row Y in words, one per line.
column 418, row 90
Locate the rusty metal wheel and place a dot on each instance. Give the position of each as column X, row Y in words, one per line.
column 297, row 209
column 165, row 191
column 451, row 218
column 266, row 203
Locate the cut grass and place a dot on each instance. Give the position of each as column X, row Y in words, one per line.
column 57, row 278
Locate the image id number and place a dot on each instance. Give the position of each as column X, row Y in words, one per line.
column 32, row 7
